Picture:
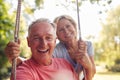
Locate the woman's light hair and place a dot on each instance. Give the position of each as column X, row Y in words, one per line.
column 67, row 17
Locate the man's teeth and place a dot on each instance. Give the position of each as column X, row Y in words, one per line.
column 43, row 51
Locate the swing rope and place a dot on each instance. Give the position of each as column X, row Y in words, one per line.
column 16, row 35
column 80, row 38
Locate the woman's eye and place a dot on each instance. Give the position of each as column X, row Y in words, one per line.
column 60, row 30
column 67, row 26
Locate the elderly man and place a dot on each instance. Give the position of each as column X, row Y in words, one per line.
column 41, row 66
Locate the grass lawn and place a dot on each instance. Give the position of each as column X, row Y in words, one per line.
column 107, row 76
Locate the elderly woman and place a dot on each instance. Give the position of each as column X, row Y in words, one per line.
column 79, row 53
column 69, row 44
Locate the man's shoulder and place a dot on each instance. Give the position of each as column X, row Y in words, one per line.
column 25, row 64
column 25, row 70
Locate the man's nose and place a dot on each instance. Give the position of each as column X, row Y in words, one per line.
column 43, row 43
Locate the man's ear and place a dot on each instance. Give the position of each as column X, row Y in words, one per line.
column 28, row 41
column 56, row 37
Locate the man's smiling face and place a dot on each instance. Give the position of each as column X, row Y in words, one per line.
column 42, row 41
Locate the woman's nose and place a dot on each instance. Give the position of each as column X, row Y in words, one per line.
column 66, row 30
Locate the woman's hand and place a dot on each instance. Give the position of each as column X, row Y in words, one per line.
column 81, row 55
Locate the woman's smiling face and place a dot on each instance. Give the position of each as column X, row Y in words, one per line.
column 65, row 30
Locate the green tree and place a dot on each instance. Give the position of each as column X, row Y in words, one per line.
column 6, row 26
column 108, row 48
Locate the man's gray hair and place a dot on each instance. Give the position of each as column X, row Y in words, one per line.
column 41, row 20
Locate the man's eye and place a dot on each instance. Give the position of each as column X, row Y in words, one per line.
column 35, row 38
column 49, row 38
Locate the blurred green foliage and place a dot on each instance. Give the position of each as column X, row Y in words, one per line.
column 6, row 26
column 107, row 49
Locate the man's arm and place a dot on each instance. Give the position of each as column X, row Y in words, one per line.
column 12, row 50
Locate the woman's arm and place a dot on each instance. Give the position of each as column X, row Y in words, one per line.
column 93, row 65
column 90, row 51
